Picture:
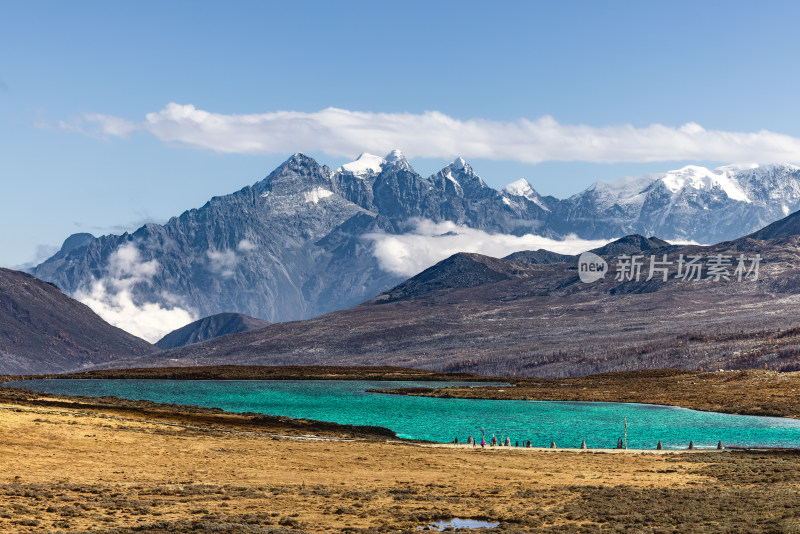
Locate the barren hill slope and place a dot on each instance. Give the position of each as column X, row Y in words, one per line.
column 44, row 331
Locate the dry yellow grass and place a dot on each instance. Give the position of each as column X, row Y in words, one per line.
column 76, row 468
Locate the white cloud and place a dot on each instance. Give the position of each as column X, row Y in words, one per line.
column 96, row 125
column 344, row 133
column 687, row 242
column 112, row 298
column 125, row 267
column 112, row 125
column 245, row 245
column 222, row 262
column 429, row 243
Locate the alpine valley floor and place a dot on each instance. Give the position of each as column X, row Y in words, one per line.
column 104, row 465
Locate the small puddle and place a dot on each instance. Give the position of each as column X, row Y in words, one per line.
column 456, row 523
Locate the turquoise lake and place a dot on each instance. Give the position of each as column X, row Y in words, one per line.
column 442, row 420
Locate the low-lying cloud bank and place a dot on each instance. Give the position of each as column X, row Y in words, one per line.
column 345, row 133
column 112, row 299
column 429, row 243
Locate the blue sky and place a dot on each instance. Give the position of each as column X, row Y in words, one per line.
column 77, row 80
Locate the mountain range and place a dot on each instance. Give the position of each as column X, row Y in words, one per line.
column 308, row 239
column 502, row 317
column 530, row 313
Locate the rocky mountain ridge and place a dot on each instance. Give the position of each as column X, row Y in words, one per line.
column 302, row 241
column 501, row 317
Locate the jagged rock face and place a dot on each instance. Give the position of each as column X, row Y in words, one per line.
column 76, row 241
column 295, row 245
column 454, row 194
column 399, row 194
column 461, row 196
column 287, row 248
column 44, row 331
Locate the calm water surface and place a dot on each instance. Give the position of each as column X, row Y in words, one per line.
column 442, row 420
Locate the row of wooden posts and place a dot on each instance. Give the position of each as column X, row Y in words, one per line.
column 660, row 446
column 620, row 444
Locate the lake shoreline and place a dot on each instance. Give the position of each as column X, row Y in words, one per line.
column 311, row 421
column 279, row 426
column 750, row 392
column 747, row 392
column 266, row 372
column 111, row 466
column 192, row 415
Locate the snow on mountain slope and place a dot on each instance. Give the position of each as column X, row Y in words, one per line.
column 773, row 182
column 364, row 165
column 521, row 188
column 317, row 194
column 736, row 181
column 396, row 159
column 628, row 191
column 691, row 203
column 459, row 179
column 696, row 177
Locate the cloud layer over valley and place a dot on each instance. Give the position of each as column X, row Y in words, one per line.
column 112, row 297
column 429, row 243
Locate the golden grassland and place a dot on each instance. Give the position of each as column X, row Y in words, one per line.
column 103, row 465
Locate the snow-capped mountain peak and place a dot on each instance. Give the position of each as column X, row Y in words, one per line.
column 458, row 163
column 700, row 178
column 364, row 165
column 704, row 205
column 631, row 191
column 460, row 166
column 395, row 158
column 459, row 179
column 521, row 188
